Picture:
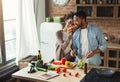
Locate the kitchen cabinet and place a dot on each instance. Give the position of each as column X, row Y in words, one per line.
column 99, row 9
column 111, row 58
column 48, row 39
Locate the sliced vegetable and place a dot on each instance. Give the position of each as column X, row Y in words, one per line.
column 52, row 67
column 57, row 63
column 81, row 64
column 41, row 69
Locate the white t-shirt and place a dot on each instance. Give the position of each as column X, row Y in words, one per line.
column 84, row 43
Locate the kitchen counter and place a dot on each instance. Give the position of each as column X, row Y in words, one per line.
column 111, row 57
column 113, row 45
column 23, row 74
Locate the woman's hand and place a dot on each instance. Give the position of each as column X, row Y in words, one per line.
column 73, row 53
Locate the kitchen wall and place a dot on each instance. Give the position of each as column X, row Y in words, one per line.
column 111, row 26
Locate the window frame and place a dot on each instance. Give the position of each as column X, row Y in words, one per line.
column 4, row 62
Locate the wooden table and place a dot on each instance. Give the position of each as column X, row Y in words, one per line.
column 22, row 74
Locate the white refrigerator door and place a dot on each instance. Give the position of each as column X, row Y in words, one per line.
column 48, row 39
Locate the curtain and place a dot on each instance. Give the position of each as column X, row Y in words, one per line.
column 27, row 37
column 39, row 8
column 0, row 54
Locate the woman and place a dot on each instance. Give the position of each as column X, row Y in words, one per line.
column 64, row 39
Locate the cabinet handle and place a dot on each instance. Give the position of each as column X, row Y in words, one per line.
column 43, row 42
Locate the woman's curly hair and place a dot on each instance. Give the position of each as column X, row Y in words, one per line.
column 69, row 16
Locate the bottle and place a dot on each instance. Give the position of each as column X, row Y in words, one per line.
column 84, row 2
column 80, row 1
column 39, row 57
column 91, row 1
column 100, row 1
column 85, row 68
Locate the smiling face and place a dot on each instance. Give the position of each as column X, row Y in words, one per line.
column 69, row 26
column 69, row 23
column 78, row 21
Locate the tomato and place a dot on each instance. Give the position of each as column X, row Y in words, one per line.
column 64, row 70
column 76, row 74
column 57, row 70
column 64, row 74
column 70, row 73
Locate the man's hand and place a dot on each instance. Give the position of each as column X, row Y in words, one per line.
column 91, row 54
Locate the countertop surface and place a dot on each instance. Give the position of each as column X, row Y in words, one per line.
column 22, row 74
column 113, row 45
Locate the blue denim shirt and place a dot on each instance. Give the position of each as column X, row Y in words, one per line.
column 96, row 40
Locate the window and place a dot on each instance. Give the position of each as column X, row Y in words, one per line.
column 9, row 11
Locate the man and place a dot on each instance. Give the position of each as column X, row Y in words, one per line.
column 88, row 40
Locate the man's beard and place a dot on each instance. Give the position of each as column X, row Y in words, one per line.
column 80, row 25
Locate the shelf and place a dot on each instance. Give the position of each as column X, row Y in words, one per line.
column 97, row 5
column 113, row 59
column 97, row 1
column 100, row 11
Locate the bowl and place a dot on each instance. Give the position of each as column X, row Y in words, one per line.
column 57, row 19
column 105, row 72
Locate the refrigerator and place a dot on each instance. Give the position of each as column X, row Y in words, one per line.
column 48, row 39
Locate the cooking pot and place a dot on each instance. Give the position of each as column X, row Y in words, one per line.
column 105, row 72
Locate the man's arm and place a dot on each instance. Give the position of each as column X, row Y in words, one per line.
column 92, row 53
column 102, row 44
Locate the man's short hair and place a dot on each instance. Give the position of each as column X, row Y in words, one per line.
column 81, row 14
